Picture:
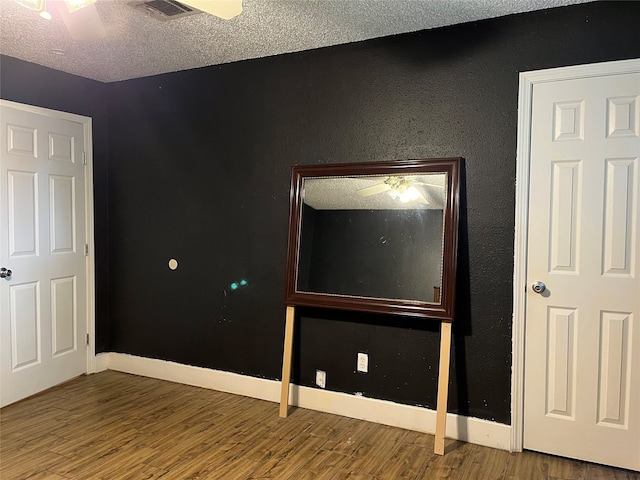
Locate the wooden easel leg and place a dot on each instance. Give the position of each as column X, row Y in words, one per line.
column 443, row 387
column 286, row 362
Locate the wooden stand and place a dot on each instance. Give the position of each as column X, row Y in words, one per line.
column 286, row 362
column 443, row 387
column 443, row 376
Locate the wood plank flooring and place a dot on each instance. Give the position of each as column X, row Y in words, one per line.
column 117, row 426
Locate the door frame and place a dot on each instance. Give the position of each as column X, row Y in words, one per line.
column 523, row 160
column 86, row 123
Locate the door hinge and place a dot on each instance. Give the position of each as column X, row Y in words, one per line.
column 87, row 339
column 86, row 249
column 84, row 158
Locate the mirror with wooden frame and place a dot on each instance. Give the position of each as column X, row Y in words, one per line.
column 378, row 237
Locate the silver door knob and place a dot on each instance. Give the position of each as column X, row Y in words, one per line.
column 539, row 287
column 5, row 272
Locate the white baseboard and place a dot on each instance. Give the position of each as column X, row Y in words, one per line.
column 196, row 376
column 102, row 362
column 466, row 429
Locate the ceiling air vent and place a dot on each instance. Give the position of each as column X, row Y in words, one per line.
column 164, row 9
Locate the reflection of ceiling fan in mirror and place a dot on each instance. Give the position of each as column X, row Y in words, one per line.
column 84, row 23
column 400, row 188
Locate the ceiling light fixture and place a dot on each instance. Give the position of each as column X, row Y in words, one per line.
column 402, row 189
column 405, row 195
column 81, row 17
column 41, row 6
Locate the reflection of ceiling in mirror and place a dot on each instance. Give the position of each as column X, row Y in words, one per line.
column 374, row 192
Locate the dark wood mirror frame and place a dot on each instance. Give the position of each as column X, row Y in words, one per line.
column 443, row 310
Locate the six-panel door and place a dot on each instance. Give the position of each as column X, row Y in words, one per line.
column 43, row 302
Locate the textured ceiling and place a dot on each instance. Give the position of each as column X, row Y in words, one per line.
column 137, row 45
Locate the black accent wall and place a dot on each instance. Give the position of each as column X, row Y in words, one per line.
column 198, row 170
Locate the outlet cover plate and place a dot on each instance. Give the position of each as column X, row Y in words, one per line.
column 363, row 362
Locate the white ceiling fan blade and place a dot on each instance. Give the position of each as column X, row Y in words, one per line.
column 83, row 24
column 37, row 5
column 430, row 184
column 225, row 9
column 373, row 190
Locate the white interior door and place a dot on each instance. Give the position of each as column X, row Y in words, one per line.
column 43, row 309
column 582, row 337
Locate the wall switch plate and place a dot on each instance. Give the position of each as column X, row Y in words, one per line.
column 321, row 378
column 363, row 362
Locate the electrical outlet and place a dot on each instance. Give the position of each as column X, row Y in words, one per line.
column 363, row 362
column 321, row 378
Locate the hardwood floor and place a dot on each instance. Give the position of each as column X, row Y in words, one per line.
column 117, row 426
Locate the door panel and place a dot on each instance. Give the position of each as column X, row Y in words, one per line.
column 619, row 214
column 582, row 346
column 63, row 216
column 23, row 213
column 25, row 325
column 614, row 371
column 561, row 354
column 63, row 315
column 565, row 216
column 42, row 218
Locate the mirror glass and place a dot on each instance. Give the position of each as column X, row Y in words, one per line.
column 378, row 237
column 373, row 236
